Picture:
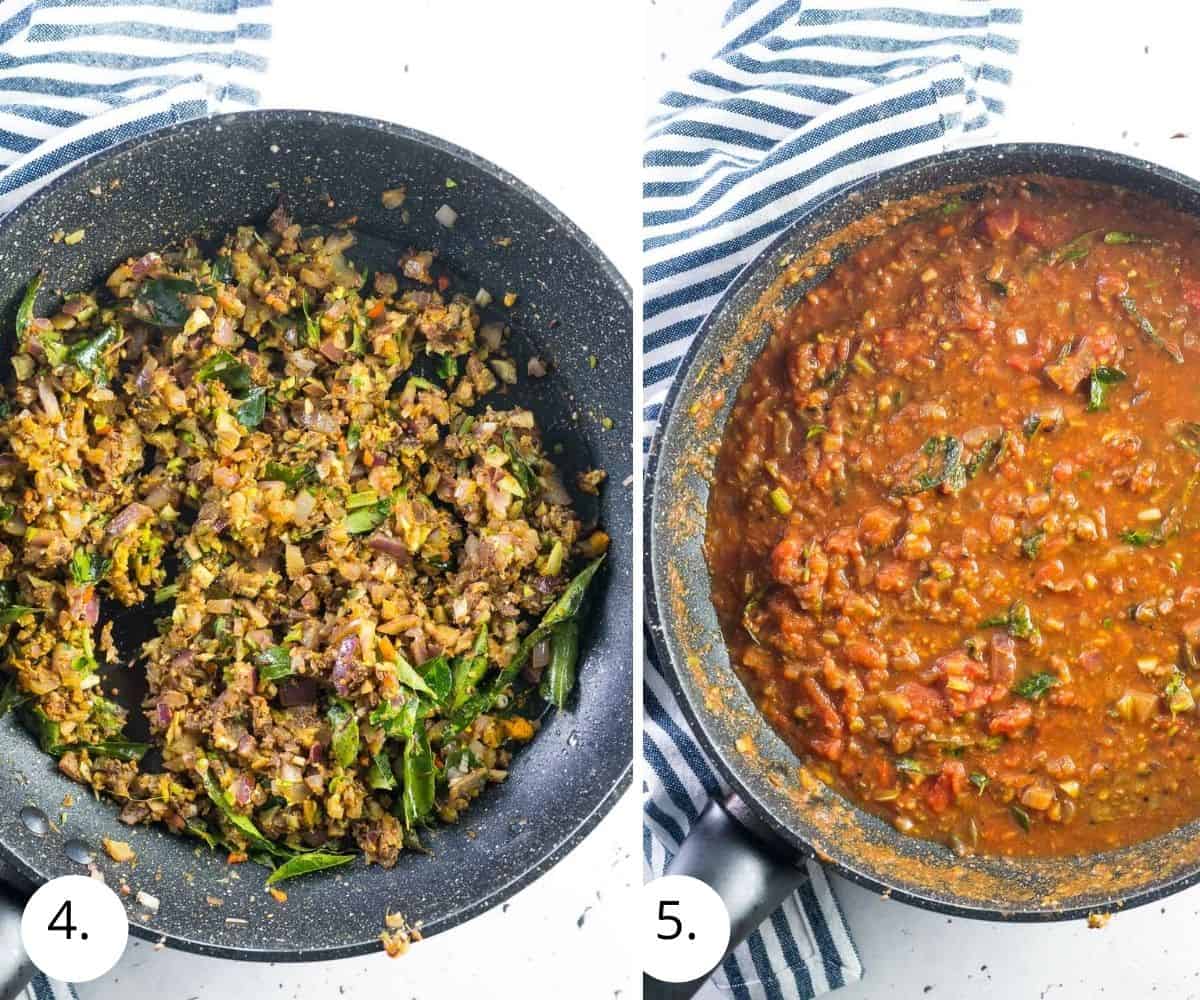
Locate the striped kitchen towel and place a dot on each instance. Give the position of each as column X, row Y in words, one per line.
column 799, row 99
column 77, row 76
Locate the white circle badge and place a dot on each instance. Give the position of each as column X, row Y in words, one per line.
column 685, row 928
column 74, row 928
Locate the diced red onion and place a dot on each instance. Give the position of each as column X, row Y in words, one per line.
column 332, row 351
column 49, row 400
column 390, row 546
column 344, row 662
column 242, row 788
column 133, row 515
column 297, row 691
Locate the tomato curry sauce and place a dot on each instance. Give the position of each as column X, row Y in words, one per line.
column 952, row 527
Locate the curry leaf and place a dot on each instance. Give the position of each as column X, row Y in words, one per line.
column 88, row 355
column 161, row 298
column 253, row 408
column 225, row 368
column 274, row 664
column 25, row 309
column 1147, row 329
column 1103, row 378
column 344, row 724
column 292, row 475
column 417, row 799
column 367, row 518
column 306, row 864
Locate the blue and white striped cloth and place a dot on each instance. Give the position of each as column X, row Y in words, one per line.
column 800, row 98
column 78, row 76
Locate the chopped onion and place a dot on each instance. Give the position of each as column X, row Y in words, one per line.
column 446, row 216
column 49, row 400
column 483, row 298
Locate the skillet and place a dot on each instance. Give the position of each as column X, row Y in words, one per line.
column 218, row 173
column 751, row 847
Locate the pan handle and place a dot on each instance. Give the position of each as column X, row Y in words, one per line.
column 752, row 870
column 16, row 970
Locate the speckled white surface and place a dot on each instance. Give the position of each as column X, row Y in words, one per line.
column 1099, row 74
column 527, row 86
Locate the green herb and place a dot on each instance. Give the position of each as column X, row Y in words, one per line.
column 25, row 309
column 274, row 664
column 1116, row 237
column 222, row 269
column 199, row 830
column 1077, row 249
column 522, row 468
column 953, row 206
column 293, row 475
column 438, row 678
column 306, row 864
column 949, row 471
column 12, row 697
column 88, row 567
column 1031, row 425
column 344, row 724
column 1142, row 537
column 15, row 612
column 161, row 298
column 978, row 780
column 353, row 436
column 781, row 501
column 564, row 609
column 832, row 377
column 409, row 677
column 988, row 454
column 1147, row 329
column 396, row 721
column 312, row 329
column 125, row 750
column 909, row 766
column 1021, row 816
column 366, row 519
column 469, row 669
column 1035, row 686
column 862, row 364
column 417, row 771
column 1103, row 378
column 225, row 368
column 363, row 498
column 253, row 408
column 88, row 355
column 379, row 774
column 447, row 367
column 1018, row 620
column 815, row 430
column 559, row 678
column 164, row 594
column 1032, row 544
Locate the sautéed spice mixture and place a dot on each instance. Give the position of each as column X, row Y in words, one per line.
column 952, row 529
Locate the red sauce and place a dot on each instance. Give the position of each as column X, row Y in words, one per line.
column 952, row 528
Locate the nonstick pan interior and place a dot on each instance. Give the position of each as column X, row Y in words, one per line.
column 683, row 624
column 213, row 175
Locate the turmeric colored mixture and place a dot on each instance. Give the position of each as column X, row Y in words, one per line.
column 952, row 528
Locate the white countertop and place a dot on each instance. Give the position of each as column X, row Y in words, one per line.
column 526, row 86
column 1097, row 74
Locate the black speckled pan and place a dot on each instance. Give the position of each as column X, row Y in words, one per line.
column 213, row 175
column 772, row 821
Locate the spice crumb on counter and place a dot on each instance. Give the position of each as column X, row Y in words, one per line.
column 118, row 850
column 589, row 481
column 1098, row 921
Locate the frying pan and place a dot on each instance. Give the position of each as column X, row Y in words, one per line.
column 214, row 175
column 749, row 848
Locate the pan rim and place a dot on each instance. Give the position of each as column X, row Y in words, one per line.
column 656, row 614
column 613, row 277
